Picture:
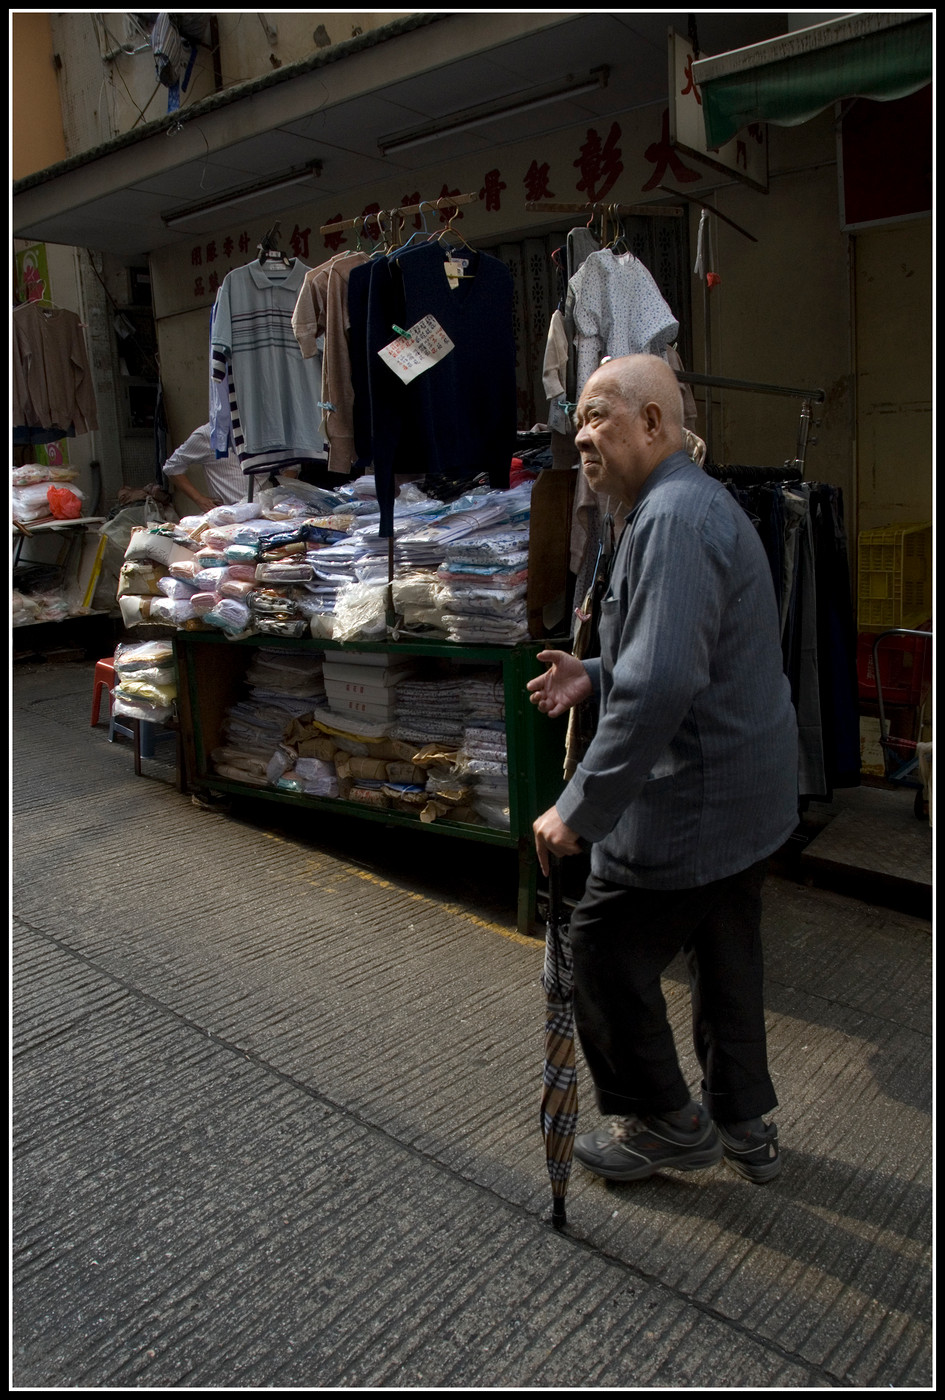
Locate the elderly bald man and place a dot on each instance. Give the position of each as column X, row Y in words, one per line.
column 688, row 786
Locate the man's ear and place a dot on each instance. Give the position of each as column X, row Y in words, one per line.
column 652, row 418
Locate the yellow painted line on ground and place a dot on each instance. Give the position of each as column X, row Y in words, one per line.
column 511, row 934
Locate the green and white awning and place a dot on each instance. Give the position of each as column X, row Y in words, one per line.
column 789, row 80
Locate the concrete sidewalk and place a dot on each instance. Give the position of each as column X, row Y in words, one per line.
column 276, row 1118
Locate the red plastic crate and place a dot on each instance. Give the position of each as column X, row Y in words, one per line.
column 905, row 668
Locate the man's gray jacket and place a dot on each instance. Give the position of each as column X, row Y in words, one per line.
column 692, row 773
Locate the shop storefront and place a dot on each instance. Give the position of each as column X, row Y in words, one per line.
column 384, row 284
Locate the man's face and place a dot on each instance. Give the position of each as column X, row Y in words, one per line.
column 611, row 440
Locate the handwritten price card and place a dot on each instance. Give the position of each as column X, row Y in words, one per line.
column 417, row 349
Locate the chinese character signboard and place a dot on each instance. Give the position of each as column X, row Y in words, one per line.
column 746, row 156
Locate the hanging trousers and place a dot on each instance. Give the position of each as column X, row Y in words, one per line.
column 623, row 939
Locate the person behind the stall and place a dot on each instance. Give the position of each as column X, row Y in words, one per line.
column 688, row 785
column 224, row 476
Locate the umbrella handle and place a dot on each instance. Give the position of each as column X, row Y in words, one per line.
column 554, row 889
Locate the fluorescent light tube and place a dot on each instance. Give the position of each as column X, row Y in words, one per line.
column 491, row 111
column 240, row 196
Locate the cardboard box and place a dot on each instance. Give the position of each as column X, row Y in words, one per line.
column 550, row 584
column 340, row 704
column 354, row 673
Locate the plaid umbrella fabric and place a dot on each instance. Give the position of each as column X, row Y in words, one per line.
column 559, row 1098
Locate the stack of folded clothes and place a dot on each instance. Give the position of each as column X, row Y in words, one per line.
column 483, row 582
column 146, row 681
column 483, row 758
column 282, row 687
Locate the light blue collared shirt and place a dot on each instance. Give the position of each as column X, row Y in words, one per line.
column 276, row 389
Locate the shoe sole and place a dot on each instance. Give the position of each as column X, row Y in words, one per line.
column 693, row 1161
column 752, row 1172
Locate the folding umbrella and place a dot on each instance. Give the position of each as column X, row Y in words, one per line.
column 559, row 1097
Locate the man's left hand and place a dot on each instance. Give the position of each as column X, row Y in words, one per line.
column 551, row 834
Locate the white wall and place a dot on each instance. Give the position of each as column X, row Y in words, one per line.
column 107, row 80
column 781, row 313
column 247, row 50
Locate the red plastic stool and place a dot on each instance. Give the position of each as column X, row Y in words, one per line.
column 104, row 679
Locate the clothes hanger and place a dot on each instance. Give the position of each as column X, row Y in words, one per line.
column 358, row 226
column 385, row 222
column 456, row 234
column 379, row 248
column 597, row 229
column 420, row 232
column 268, row 249
column 397, row 225
column 620, row 243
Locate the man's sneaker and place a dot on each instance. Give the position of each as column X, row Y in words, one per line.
column 754, row 1155
column 634, row 1148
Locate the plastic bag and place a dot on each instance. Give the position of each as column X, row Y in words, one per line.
column 322, row 626
column 282, row 626
column 203, row 601
column 176, row 587
column 209, row 579
column 30, row 502
column 301, row 493
column 189, row 530
column 135, row 610
column 130, row 656
column 244, row 573
column 209, row 558
column 233, row 514
column 155, row 545
column 65, row 502
column 32, row 472
column 242, row 555
column 134, row 708
column 230, row 615
column 184, row 569
column 281, row 762
column 25, row 609
column 134, row 687
column 50, row 607
column 119, row 529
column 272, row 601
column 165, row 676
column 235, row 588
column 171, row 611
column 360, row 611
column 284, row 571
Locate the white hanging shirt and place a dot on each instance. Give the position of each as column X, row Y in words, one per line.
column 618, row 310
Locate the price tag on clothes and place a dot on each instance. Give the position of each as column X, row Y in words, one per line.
column 455, row 268
column 417, row 349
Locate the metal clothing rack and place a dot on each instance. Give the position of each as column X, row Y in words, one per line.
column 663, row 211
column 450, row 201
column 606, row 211
column 809, row 396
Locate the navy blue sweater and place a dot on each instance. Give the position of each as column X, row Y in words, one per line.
column 458, row 418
